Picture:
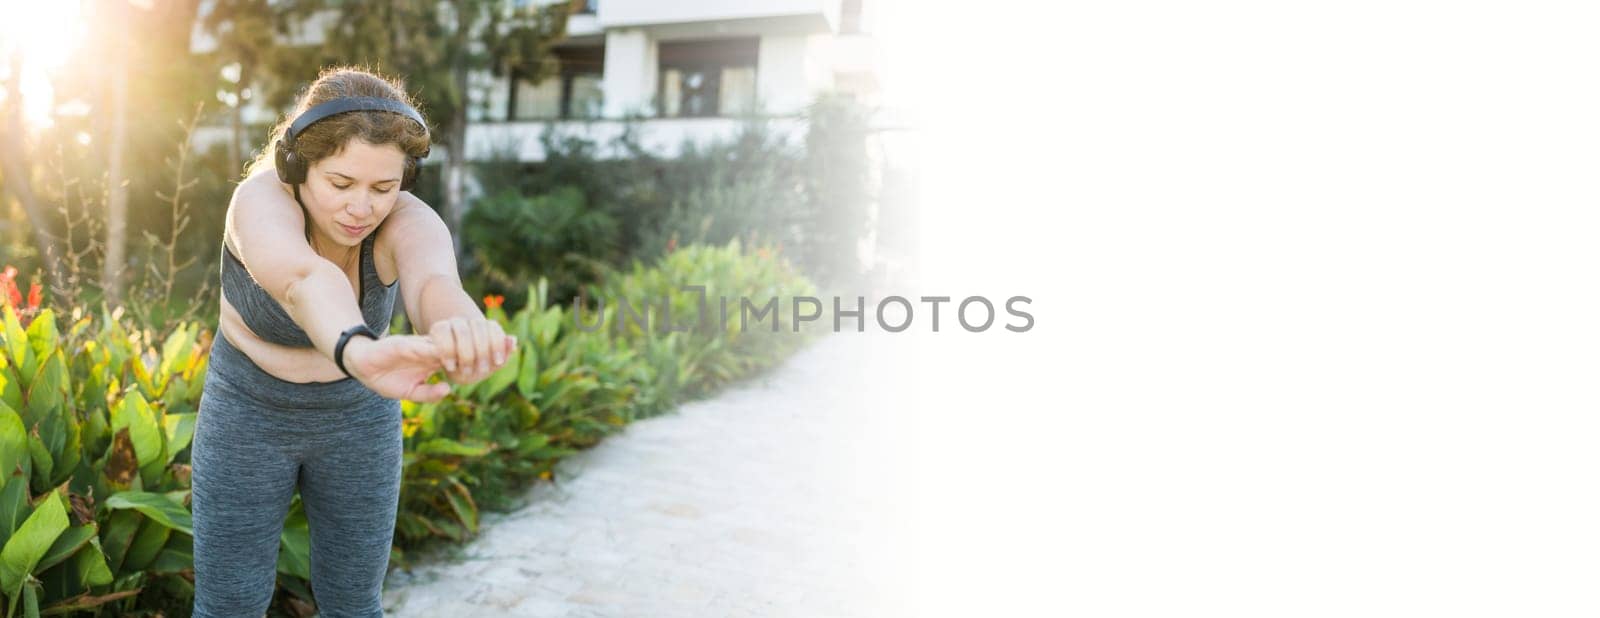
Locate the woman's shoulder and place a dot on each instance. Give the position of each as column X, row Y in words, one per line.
column 244, row 193
column 408, row 224
column 262, row 189
column 409, row 215
column 260, row 178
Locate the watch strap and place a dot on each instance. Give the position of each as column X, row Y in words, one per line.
column 344, row 338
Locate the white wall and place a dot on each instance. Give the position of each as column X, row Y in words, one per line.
column 790, row 70
column 630, row 78
column 614, row 13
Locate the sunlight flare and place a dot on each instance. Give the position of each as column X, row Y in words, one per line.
column 42, row 35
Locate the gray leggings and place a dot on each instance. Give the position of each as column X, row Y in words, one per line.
column 257, row 439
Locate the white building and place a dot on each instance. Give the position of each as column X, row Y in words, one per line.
column 686, row 70
column 690, row 70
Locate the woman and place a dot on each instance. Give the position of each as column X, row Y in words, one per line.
column 302, row 393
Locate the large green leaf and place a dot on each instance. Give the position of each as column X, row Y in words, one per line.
column 179, row 430
column 14, row 506
column 528, row 370
column 460, row 500
column 118, row 536
column 17, row 347
column 13, row 444
column 157, row 507
column 146, row 544
column 42, row 335
column 47, row 388
column 42, row 464
column 136, row 414
column 66, row 461
column 10, row 389
column 91, row 565
column 294, row 543
column 175, row 352
column 30, row 543
column 446, row 446
column 68, row 543
column 172, row 560
column 497, row 382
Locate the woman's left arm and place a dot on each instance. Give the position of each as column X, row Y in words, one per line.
column 471, row 346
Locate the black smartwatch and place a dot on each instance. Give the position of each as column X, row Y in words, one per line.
column 344, row 337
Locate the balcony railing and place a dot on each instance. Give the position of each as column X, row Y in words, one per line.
column 519, row 139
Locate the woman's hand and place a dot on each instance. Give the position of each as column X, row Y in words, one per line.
column 396, row 366
column 471, row 349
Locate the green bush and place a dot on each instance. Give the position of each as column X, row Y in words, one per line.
column 555, row 235
column 813, row 198
column 94, row 431
column 710, row 354
column 757, row 206
column 564, row 390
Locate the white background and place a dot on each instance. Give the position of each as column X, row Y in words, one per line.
column 1317, row 289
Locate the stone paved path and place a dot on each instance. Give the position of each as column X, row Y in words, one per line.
column 784, row 496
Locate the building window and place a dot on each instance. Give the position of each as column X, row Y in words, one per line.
column 738, row 96
column 537, row 101
column 708, row 78
column 573, row 92
column 584, row 96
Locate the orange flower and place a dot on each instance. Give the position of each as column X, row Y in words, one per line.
column 493, row 301
column 35, row 295
column 672, row 243
column 763, row 253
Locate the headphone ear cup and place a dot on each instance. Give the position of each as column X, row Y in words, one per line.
column 408, row 181
column 291, row 169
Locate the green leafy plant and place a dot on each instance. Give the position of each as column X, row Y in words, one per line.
column 711, row 352
column 85, row 415
column 555, row 235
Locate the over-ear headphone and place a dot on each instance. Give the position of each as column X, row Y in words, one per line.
column 292, row 167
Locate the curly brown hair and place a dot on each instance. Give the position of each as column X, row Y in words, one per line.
column 329, row 136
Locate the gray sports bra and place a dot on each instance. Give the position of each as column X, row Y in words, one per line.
column 269, row 321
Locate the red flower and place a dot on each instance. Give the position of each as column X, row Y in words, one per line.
column 12, row 293
column 493, row 301
column 12, row 297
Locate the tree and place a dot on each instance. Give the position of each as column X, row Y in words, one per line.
column 244, row 31
column 136, row 89
column 117, row 199
column 839, row 186
column 18, row 174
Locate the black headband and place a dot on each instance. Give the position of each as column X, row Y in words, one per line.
column 352, row 104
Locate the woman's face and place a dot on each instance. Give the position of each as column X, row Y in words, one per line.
column 349, row 194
